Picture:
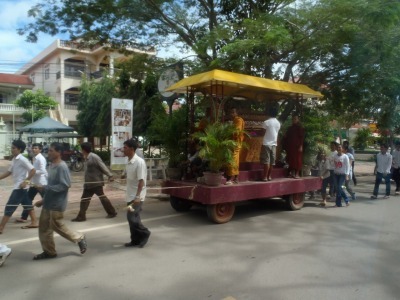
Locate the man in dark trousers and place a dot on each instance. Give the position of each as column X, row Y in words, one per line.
column 94, row 182
column 135, row 174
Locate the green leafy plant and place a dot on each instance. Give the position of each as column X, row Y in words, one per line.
column 170, row 132
column 361, row 139
column 217, row 145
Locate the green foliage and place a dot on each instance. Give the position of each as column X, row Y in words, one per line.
column 361, row 139
column 171, row 133
column 217, row 145
column 322, row 43
column 94, row 117
column 317, row 134
column 104, row 155
column 36, row 103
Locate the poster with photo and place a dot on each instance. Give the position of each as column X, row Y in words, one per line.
column 121, row 120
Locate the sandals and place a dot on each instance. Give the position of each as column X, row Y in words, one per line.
column 82, row 245
column 44, row 255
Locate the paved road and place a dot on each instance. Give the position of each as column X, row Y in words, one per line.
column 265, row 252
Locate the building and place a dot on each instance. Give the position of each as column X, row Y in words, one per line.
column 59, row 68
column 11, row 86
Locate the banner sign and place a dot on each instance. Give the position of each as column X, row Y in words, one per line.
column 121, row 130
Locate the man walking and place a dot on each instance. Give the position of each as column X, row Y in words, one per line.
column 22, row 171
column 135, row 174
column 342, row 173
column 94, row 182
column 54, row 204
column 270, row 141
column 40, row 178
column 383, row 166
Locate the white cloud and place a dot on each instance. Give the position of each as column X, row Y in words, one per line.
column 14, row 13
column 14, row 50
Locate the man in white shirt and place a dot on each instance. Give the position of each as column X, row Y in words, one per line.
column 383, row 166
column 270, row 141
column 342, row 173
column 22, row 171
column 135, row 174
column 40, row 178
column 396, row 167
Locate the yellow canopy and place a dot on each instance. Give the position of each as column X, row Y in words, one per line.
column 228, row 84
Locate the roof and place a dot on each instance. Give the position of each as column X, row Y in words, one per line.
column 16, row 79
column 46, row 124
column 218, row 82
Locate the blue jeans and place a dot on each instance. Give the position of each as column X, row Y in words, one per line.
column 339, row 181
column 378, row 180
column 32, row 192
column 17, row 197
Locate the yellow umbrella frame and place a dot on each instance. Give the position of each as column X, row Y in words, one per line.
column 218, row 83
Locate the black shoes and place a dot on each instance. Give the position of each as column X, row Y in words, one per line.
column 140, row 244
column 44, row 255
column 132, row 244
column 78, row 219
column 110, row 216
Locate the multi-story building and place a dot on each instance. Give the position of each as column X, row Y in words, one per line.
column 58, row 71
column 11, row 86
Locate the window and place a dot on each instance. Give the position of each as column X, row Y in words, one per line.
column 47, row 71
column 2, row 98
column 74, row 70
column 71, row 99
column 33, row 77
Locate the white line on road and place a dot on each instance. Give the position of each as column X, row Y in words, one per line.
column 94, row 229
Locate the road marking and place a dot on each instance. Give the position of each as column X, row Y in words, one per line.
column 16, row 242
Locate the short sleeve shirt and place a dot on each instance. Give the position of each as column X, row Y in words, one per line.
column 271, row 127
column 135, row 170
column 19, row 168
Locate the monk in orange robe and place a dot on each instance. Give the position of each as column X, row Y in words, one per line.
column 232, row 171
column 293, row 144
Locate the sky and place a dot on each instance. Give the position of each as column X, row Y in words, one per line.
column 14, row 50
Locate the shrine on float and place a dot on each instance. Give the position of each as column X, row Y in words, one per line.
column 251, row 96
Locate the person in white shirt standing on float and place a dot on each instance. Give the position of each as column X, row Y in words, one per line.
column 40, row 178
column 342, row 173
column 270, row 141
column 383, row 166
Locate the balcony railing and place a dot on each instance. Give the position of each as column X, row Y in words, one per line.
column 10, row 108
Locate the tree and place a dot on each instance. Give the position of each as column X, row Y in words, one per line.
column 36, row 104
column 94, row 106
column 325, row 43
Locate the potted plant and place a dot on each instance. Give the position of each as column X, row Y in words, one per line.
column 217, row 147
column 170, row 131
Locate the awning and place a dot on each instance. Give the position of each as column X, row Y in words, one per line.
column 46, row 124
column 229, row 84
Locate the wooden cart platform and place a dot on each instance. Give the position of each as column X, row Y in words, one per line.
column 220, row 200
